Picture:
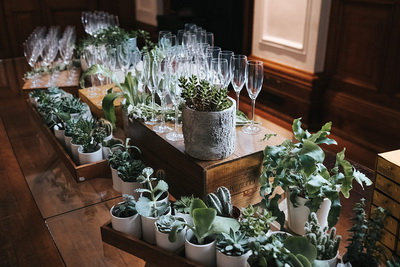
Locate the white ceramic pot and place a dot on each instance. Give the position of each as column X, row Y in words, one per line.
column 85, row 158
column 148, row 230
column 117, row 182
column 209, row 135
column 130, row 225
column 202, row 254
column 59, row 134
column 107, row 138
column 329, row 263
column 34, row 101
column 232, row 261
column 163, row 242
column 74, row 152
column 297, row 217
column 67, row 141
column 129, row 188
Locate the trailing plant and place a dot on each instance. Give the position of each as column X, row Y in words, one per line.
column 183, row 204
column 363, row 248
column 274, row 251
column 206, row 223
column 327, row 244
column 200, row 95
column 299, row 168
column 220, row 201
column 148, row 206
column 126, row 208
column 255, row 221
column 130, row 170
column 233, row 244
column 166, row 222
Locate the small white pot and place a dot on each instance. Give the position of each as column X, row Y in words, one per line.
column 34, row 101
column 67, row 141
column 130, row 225
column 117, row 182
column 202, row 254
column 232, row 261
column 329, row 263
column 148, row 229
column 74, row 152
column 85, row 158
column 297, row 217
column 163, row 242
column 107, row 138
column 129, row 188
column 59, row 134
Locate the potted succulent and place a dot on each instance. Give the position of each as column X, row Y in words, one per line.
column 164, row 225
column 208, row 120
column 152, row 204
column 327, row 243
column 81, row 134
column 182, row 208
column 75, row 107
column 200, row 238
column 90, row 150
column 124, row 217
column 129, row 172
column 281, row 250
column 233, row 249
column 36, row 96
column 255, row 221
column 363, row 248
column 221, row 201
column 105, row 127
column 311, row 187
column 111, row 145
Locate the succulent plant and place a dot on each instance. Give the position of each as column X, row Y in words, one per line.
column 166, row 222
column 254, row 221
column 233, row 244
column 182, row 205
column 327, row 244
column 126, row 208
column 221, row 201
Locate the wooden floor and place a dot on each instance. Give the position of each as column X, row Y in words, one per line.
column 46, row 218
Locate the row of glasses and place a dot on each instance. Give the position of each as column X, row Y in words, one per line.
column 94, row 22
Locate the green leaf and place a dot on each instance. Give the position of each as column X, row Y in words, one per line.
column 273, row 206
column 308, row 163
column 361, row 178
column 334, row 212
column 312, row 150
column 143, row 206
column 196, row 204
column 161, row 186
column 224, row 224
column 304, row 261
column 314, row 183
column 297, row 130
column 109, row 108
column 348, row 173
column 203, row 219
column 301, row 245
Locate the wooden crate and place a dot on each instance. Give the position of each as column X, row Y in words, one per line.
column 141, row 249
column 71, row 88
column 186, row 176
column 94, row 103
column 99, row 169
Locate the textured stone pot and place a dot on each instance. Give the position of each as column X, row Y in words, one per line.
column 209, row 135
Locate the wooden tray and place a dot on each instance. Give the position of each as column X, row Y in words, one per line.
column 71, row 88
column 141, row 249
column 99, row 169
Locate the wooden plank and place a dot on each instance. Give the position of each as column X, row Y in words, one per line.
column 143, row 250
column 24, row 238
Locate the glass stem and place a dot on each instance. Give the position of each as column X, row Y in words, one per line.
column 237, row 100
column 253, row 107
column 162, row 112
column 176, row 119
column 153, row 101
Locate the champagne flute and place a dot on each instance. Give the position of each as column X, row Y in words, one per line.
column 254, row 82
column 227, row 55
column 150, row 82
column 219, row 73
column 238, row 70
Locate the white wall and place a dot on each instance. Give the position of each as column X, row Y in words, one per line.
column 147, row 11
column 291, row 32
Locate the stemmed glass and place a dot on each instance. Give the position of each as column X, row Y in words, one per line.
column 238, row 70
column 151, row 85
column 161, row 75
column 254, row 82
column 219, row 72
column 227, row 55
column 124, row 56
column 175, row 96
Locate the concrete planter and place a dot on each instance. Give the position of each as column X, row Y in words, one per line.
column 209, row 135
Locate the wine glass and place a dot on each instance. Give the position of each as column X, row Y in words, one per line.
column 227, row 55
column 150, row 82
column 219, row 72
column 254, row 82
column 238, row 70
column 161, row 76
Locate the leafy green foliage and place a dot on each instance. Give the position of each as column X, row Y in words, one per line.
column 124, row 155
column 130, row 170
column 200, row 95
column 233, row 244
column 255, row 221
column 299, row 167
column 363, row 248
column 327, row 244
column 183, row 204
column 148, row 206
column 125, row 209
